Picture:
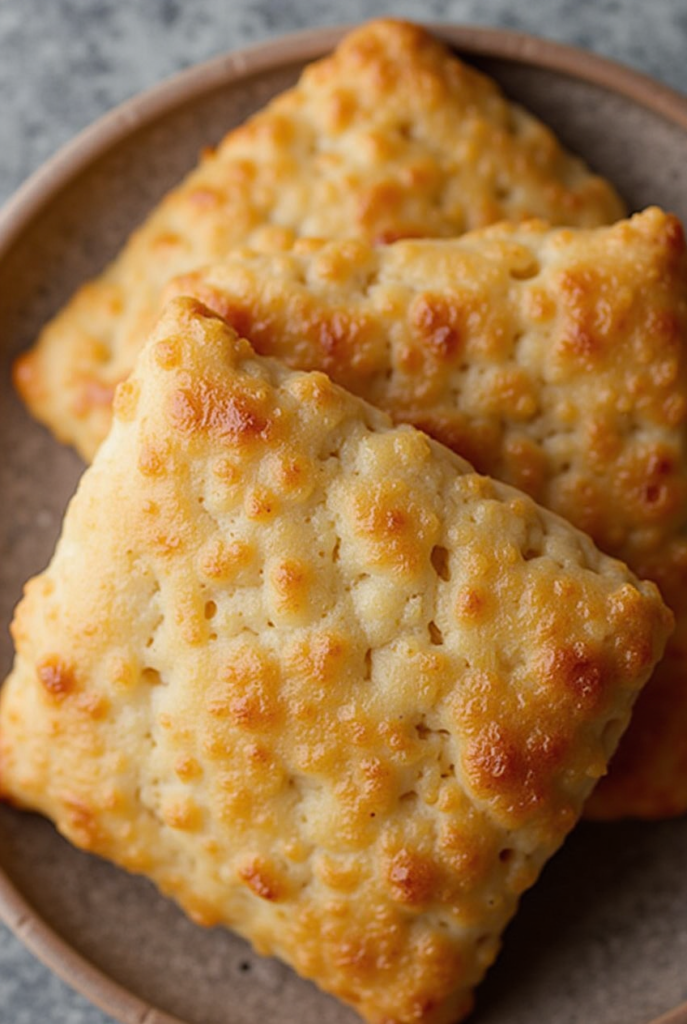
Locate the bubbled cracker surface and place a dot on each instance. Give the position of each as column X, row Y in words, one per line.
column 551, row 359
column 391, row 136
column 315, row 677
column 555, row 360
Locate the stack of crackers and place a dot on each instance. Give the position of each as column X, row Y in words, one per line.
column 327, row 648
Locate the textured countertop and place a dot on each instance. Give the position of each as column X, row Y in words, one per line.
column 65, row 62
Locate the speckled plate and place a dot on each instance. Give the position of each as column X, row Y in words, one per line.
column 603, row 937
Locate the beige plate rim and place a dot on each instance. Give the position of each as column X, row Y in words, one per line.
column 136, row 113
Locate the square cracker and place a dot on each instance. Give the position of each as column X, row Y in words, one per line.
column 314, row 676
column 389, row 136
column 555, row 360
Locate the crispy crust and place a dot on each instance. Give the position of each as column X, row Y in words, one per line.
column 552, row 359
column 389, row 137
column 314, row 676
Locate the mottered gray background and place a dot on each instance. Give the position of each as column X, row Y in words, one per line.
column 63, row 63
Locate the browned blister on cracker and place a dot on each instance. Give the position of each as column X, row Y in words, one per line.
column 391, row 136
column 314, row 676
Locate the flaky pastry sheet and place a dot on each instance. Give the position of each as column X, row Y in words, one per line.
column 314, row 676
column 390, row 136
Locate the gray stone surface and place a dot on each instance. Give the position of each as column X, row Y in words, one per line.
column 65, row 62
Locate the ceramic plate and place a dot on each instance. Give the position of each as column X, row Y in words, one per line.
column 603, row 937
